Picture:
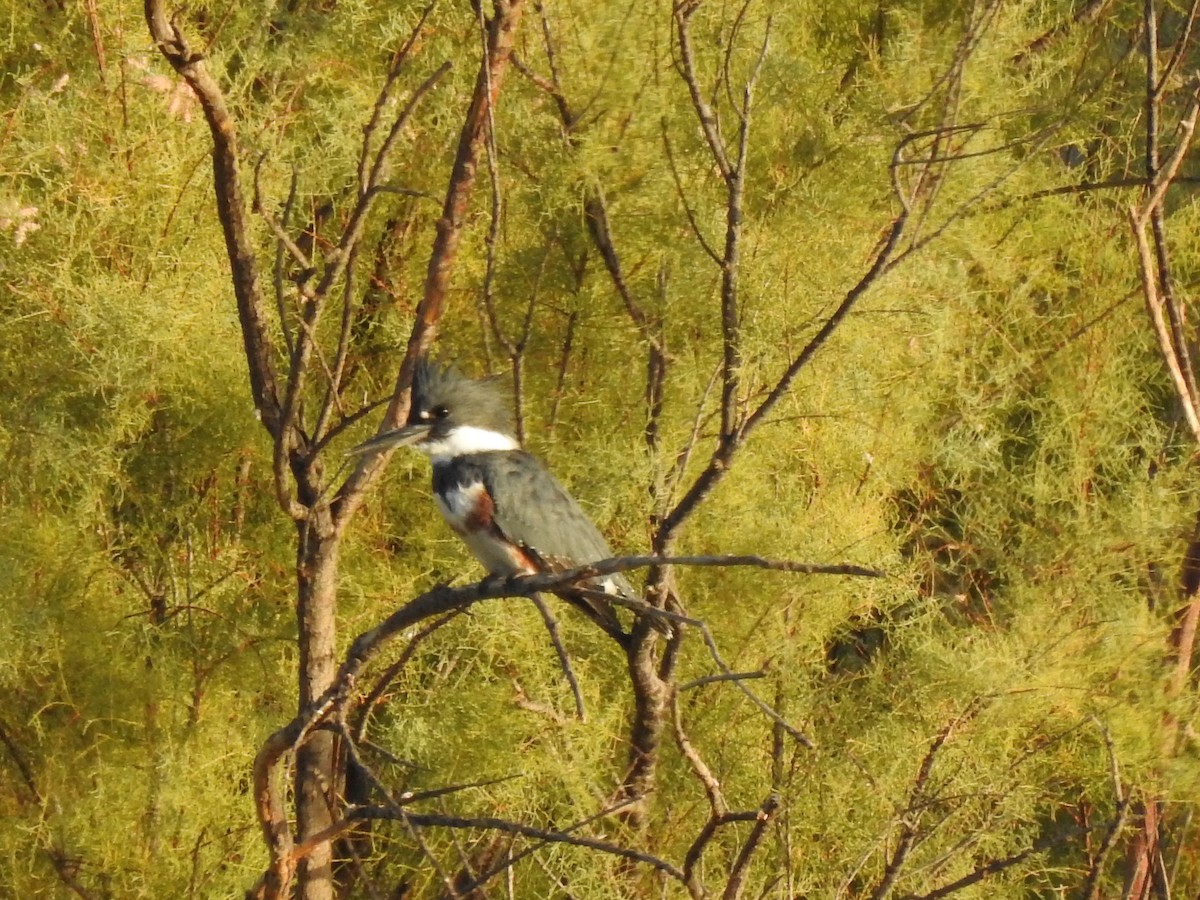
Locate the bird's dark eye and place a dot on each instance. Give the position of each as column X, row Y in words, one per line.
column 439, row 412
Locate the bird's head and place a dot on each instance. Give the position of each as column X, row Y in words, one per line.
column 450, row 415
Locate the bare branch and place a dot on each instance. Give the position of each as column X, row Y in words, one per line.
column 269, row 797
column 528, row 851
column 333, row 389
column 1182, row 46
column 564, row 361
column 687, row 208
column 978, row 874
column 365, row 178
column 726, row 63
column 280, row 248
column 595, row 211
column 1164, row 177
column 281, row 236
column 727, row 447
column 765, row 707
column 682, row 13
column 340, row 257
column 1155, row 305
column 701, row 842
column 713, row 679
column 231, row 209
column 712, row 787
column 1091, row 887
column 766, row 812
column 911, row 816
column 372, row 700
column 493, row 234
column 564, row 659
column 487, row 823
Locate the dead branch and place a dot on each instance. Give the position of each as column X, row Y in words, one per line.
column 918, row 802
column 766, row 708
column 444, row 599
column 272, row 816
column 595, row 209
column 339, row 258
column 1091, row 887
column 365, row 180
column 734, row 174
column 703, row 241
column 701, row 842
column 1145, row 860
column 1162, row 304
column 682, row 14
column 373, row 699
column 564, row 658
column 713, row 679
column 766, row 812
column 727, row 447
column 488, row 823
column 514, row 858
column 500, row 33
column 280, row 248
column 231, row 210
column 981, row 872
column 712, row 787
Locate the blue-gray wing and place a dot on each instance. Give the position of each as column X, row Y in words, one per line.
column 532, row 509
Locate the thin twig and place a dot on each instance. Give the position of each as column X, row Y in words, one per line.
column 285, row 326
column 488, row 823
column 384, row 95
column 981, row 872
column 712, row 787
column 532, row 849
column 373, row 699
column 708, row 122
column 564, row 658
column 766, row 812
column 767, row 710
column 682, row 194
column 713, row 679
column 1091, row 887
column 918, row 802
column 701, row 842
column 493, row 234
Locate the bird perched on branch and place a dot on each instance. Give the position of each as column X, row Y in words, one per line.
column 505, row 505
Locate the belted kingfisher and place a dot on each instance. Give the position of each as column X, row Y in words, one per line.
column 505, row 505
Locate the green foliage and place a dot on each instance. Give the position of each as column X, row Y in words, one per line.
column 992, row 428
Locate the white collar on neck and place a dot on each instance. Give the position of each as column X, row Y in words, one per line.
column 466, row 439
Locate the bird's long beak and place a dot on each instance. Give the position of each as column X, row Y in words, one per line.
column 401, row 437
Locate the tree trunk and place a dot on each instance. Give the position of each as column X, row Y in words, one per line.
column 645, row 732
column 316, row 777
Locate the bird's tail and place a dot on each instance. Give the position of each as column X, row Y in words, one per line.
column 598, row 606
column 595, row 604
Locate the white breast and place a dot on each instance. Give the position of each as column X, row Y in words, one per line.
column 459, row 507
